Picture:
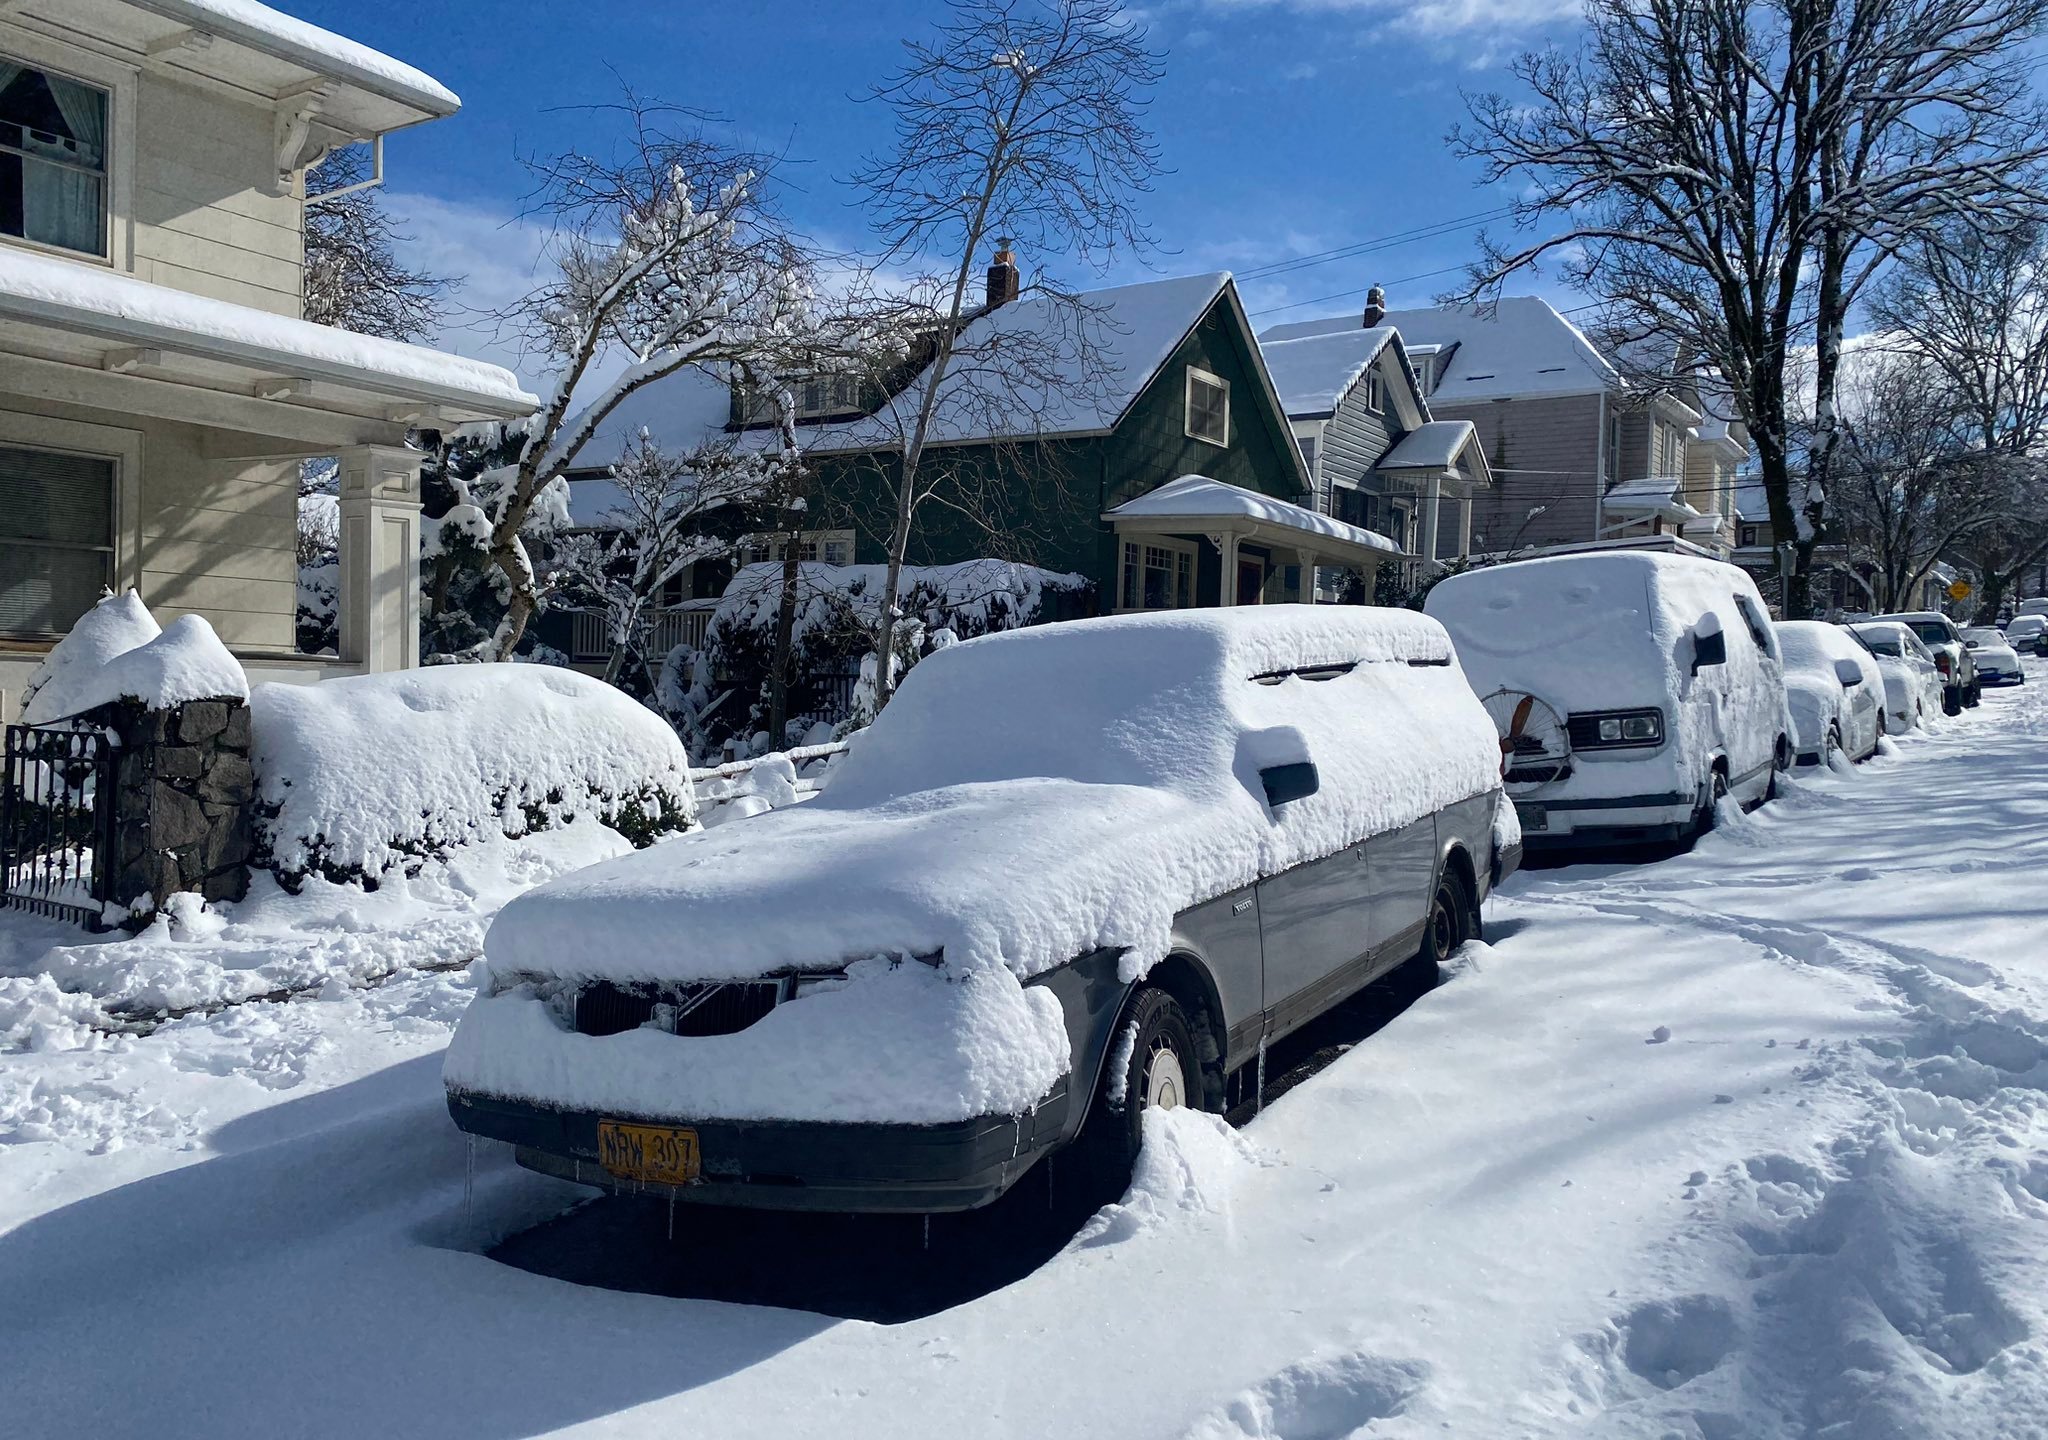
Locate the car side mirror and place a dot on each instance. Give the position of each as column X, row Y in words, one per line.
column 1287, row 783
column 1849, row 673
column 1708, row 648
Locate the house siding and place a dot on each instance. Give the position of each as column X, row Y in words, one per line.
column 1543, row 451
column 205, row 218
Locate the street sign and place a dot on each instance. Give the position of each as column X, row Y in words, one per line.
column 1959, row 590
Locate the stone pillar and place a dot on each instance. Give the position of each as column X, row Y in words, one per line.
column 184, row 798
column 380, row 557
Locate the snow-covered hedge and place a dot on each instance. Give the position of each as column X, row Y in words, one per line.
column 837, row 611
column 361, row 776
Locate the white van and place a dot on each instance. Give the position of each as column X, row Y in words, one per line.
column 1631, row 690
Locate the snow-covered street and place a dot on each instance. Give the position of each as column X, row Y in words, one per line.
column 1743, row 1143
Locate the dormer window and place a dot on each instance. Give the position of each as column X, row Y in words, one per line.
column 1375, row 393
column 818, row 397
column 1424, row 368
column 53, row 160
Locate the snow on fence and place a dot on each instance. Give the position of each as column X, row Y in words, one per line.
column 766, row 782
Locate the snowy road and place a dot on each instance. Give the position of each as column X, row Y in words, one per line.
column 1746, row 1143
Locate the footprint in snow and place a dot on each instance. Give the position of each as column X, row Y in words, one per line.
column 1321, row 1398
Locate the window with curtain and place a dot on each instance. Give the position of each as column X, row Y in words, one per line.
column 53, row 159
column 56, row 538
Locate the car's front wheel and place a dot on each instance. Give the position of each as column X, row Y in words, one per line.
column 1153, row 1063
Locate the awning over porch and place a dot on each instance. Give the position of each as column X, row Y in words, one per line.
column 1199, row 505
column 1646, row 498
column 80, row 333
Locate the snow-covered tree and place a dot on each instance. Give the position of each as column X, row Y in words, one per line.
column 1018, row 119
column 1731, row 175
column 354, row 279
column 663, row 256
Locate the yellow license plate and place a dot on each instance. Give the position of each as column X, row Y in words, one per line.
column 648, row 1152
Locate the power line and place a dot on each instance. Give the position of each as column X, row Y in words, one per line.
column 1346, row 294
column 1435, row 229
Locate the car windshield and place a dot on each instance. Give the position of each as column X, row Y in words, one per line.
column 1983, row 637
column 1882, row 647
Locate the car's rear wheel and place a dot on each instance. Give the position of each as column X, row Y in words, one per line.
column 1154, row 1063
column 1453, row 919
column 1781, row 761
column 1717, row 791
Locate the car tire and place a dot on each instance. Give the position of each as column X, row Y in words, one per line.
column 1830, row 745
column 1160, row 1065
column 1452, row 919
column 1717, row 791
column 1951, row 702
column 1781, row 761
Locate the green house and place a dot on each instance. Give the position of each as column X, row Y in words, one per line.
column 1131, row 436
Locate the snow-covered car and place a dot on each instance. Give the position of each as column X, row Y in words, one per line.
column 1944, row 641
column 1834, row 689
column 2028, row 634
column 1631, row 690
column 1072, row 871
column 1995, row 661
column 1913, row 684
column 2037, row 605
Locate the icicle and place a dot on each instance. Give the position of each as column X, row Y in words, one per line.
column 1259, row 1099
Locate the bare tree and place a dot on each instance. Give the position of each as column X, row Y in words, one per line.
column 1973, row 308
column 1019, row 119
column 1732, row 174
column 354, row 279
column 664, row 256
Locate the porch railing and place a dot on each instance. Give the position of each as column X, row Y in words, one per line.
column 57, row 823
column 590, row 633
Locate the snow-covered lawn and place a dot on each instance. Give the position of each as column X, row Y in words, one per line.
column 1748, row 1143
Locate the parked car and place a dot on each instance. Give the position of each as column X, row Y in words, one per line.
column 1631, row 690
column 1995, row 662
column 1914, row 686
column 2028, row 634
column 1959, row 687
column 2038, row 605
column 1070, row 872
column 1834, row 689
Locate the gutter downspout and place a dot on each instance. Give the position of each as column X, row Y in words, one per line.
column 376, row 176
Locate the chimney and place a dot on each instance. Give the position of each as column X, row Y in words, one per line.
column 1003, row 279
column 1375, row 307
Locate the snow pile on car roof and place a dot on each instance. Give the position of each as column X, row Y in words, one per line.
column 360, row 775
column 1026, row 798
column 116, row 652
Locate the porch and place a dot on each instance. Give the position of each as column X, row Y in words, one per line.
column 152, row 439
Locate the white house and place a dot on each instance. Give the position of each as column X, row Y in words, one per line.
column 158, row 384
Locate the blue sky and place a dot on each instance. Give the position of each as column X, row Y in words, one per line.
column 1289, row 126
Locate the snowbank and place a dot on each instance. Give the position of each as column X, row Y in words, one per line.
column 359, row 775
column 186, row 662
column 1025, row 798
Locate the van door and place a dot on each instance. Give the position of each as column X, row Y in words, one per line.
column 1315, row 926
column 1402, row 869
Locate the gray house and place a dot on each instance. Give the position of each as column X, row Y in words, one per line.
column 1574, row 451
column 1379, row 458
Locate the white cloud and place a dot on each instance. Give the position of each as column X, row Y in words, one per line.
column 1427, row 19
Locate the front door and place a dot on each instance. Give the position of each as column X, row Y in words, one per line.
column 1251, row 580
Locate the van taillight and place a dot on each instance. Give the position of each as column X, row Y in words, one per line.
column 1941, row 661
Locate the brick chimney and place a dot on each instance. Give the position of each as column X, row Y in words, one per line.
column 1003, row 279
column 1375, row 307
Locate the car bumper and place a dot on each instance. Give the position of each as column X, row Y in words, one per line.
column 1604, row 820
column 792, row 1165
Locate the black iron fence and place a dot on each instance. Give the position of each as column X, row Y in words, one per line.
column 57, row 823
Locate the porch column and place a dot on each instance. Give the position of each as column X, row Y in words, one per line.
column 1226, row 547
column 380, row 556
column 1465, row 526
column 1307, row 559
column 1432, row 501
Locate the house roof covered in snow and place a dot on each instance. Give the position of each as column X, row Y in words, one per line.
column 1435, row 445
column 256, row 27
column 146, row 321
column 1650, row 495
column 1517, row 347
column 1312, row 374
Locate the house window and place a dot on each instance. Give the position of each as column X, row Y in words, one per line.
column 56, row 538
column 834, row 547
column 1749, row 535
column 817, row 397
column 1208, row 407
column 1308, row 452
column 1156, row 575
column 1375, row 393
column 53, row 159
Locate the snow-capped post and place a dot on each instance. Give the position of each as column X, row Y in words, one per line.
column 1009, row 122
column 666, row 255
column 1732, row 174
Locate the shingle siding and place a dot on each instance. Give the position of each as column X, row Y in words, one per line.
column 1543, row 452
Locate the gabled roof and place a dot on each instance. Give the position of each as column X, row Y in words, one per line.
column 1197, row 500
column 1312, row 374
column 1431, row 446
column 1517, row 347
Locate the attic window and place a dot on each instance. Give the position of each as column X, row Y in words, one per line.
column 1375, row 393
column 1208, row 407
column 53, row 160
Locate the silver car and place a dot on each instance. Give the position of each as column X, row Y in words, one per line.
column 1996, row 661
column 1913, row 684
